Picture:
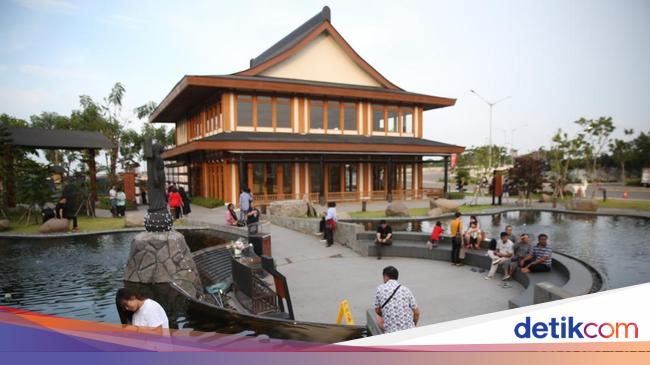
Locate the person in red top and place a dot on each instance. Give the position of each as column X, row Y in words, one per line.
column 435, row 235
column 175, row 203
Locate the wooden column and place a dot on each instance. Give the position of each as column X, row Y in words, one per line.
column 446, row 184
column 321, row 193
column 389, row 182
column 92, row 174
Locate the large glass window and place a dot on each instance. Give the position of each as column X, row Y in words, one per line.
column 283, row 109
column 245, row 111
column 333, row 115
column 350, row 116
column 350, row 177
column 407, row 120
column 334, row 178
column 378, row 177
column 378, row 118
column 392, row 119
column 315, row 114
column 271, row 178
column 287, row 178
column 258, row 178
column 264, row 111
column 314, row 177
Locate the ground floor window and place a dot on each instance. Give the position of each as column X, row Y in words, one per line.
column 350, row 177
column 378, row 177
column 287, row 178
column 314, row 177
column 334, row 178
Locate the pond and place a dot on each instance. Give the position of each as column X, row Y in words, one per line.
column 617, row 246
column 73, row 277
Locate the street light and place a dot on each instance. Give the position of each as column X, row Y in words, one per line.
column 491, row 104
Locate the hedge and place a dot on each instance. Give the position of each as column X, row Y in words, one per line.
column 455, row 195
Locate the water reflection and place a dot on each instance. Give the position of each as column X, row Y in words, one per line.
column 72, row 277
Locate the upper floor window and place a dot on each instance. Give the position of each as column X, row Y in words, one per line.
column 264, row 111
column 392, row 119
column 407, row 120
column 316, row 114
column 283, row 112
column 333, row 115
column 245, row 110
column 378, row 118
column 350, row 116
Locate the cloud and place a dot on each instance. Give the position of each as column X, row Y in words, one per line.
column 48, row 5
column 53, row 72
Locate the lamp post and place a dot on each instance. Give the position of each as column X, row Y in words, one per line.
column 490, row 104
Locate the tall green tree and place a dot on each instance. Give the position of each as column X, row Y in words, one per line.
column 527, row 174
column 64, row 158
column 8, row 156
column 596, row 135
column 622, row 152
column 564, row 152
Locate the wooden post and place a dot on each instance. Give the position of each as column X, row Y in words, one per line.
column 389, row 183
column 321, row 193
column 92, row 174
column 445, row 187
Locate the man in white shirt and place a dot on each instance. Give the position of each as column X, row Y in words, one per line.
column 503, row 253
column 112, row 196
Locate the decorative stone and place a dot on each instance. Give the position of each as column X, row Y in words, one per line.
column 447, row 206
column 397, row 209
column 582, row 204
column 435, row 212
column 159, row 221
column 4, row 224
column 134, row 219
column 162, row 257
column 289, row 208
column 54, row 225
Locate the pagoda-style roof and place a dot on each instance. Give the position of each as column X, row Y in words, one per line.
column 60, row 139
column 312, row 60
column 314, row 143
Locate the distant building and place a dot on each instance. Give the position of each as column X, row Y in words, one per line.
column 309, row 116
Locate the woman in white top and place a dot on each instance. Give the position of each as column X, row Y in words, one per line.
column 140, row 311
column 330, row 223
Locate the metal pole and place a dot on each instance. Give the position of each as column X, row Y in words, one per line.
column 490, row 142
column 446, row 186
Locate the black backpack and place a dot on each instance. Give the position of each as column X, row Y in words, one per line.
column 47, row 214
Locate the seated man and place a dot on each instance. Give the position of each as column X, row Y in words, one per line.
column 541, row 256
column 503, row 254
column 522, row 250
column 384, row 237
column 253, row 215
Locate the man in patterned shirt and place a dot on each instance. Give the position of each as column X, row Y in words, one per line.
column 541, row 256
column 395, row 303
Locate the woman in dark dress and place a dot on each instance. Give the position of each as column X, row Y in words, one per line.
column 186, row 201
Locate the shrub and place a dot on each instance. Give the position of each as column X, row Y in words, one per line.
column 633, row 182
column 455, row 195
column 207, row 202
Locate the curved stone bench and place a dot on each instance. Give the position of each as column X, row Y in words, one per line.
column 568, row 277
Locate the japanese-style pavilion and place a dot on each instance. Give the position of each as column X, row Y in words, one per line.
column 309, row 116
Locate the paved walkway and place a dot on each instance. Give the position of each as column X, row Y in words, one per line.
column 320, row 277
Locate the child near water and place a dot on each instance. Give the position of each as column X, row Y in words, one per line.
column 435, row 235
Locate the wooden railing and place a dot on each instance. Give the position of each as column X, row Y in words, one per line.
column 355, row 196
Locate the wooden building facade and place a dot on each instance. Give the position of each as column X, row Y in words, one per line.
column 309, row 116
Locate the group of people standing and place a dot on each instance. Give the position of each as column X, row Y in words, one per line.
column 177, row 198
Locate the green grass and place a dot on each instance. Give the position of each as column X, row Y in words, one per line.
column 475, row 208
column 626, row 204
column 86, row 224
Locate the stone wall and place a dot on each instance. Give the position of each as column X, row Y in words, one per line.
column 345, row 234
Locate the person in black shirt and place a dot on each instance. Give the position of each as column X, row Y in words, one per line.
column 253, row 215
column 384, row 237
column 63, row 211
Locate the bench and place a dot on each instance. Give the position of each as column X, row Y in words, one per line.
column 251, row 291
column 567, row 274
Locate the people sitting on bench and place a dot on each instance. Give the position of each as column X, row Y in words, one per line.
column 541, row 256
column 523, row 249
column 384, row 237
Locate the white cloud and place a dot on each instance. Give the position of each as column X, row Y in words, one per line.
column 48, row 5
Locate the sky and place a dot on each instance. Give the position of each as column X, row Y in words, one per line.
column 556, row 60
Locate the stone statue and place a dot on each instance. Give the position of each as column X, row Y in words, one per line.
column 158, row 218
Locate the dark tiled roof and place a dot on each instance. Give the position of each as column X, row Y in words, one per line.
column 323, row 138
column 293, row 37
column 58, row 139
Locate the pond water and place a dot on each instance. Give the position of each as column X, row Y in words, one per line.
column 617, row 246
column 72, row 277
